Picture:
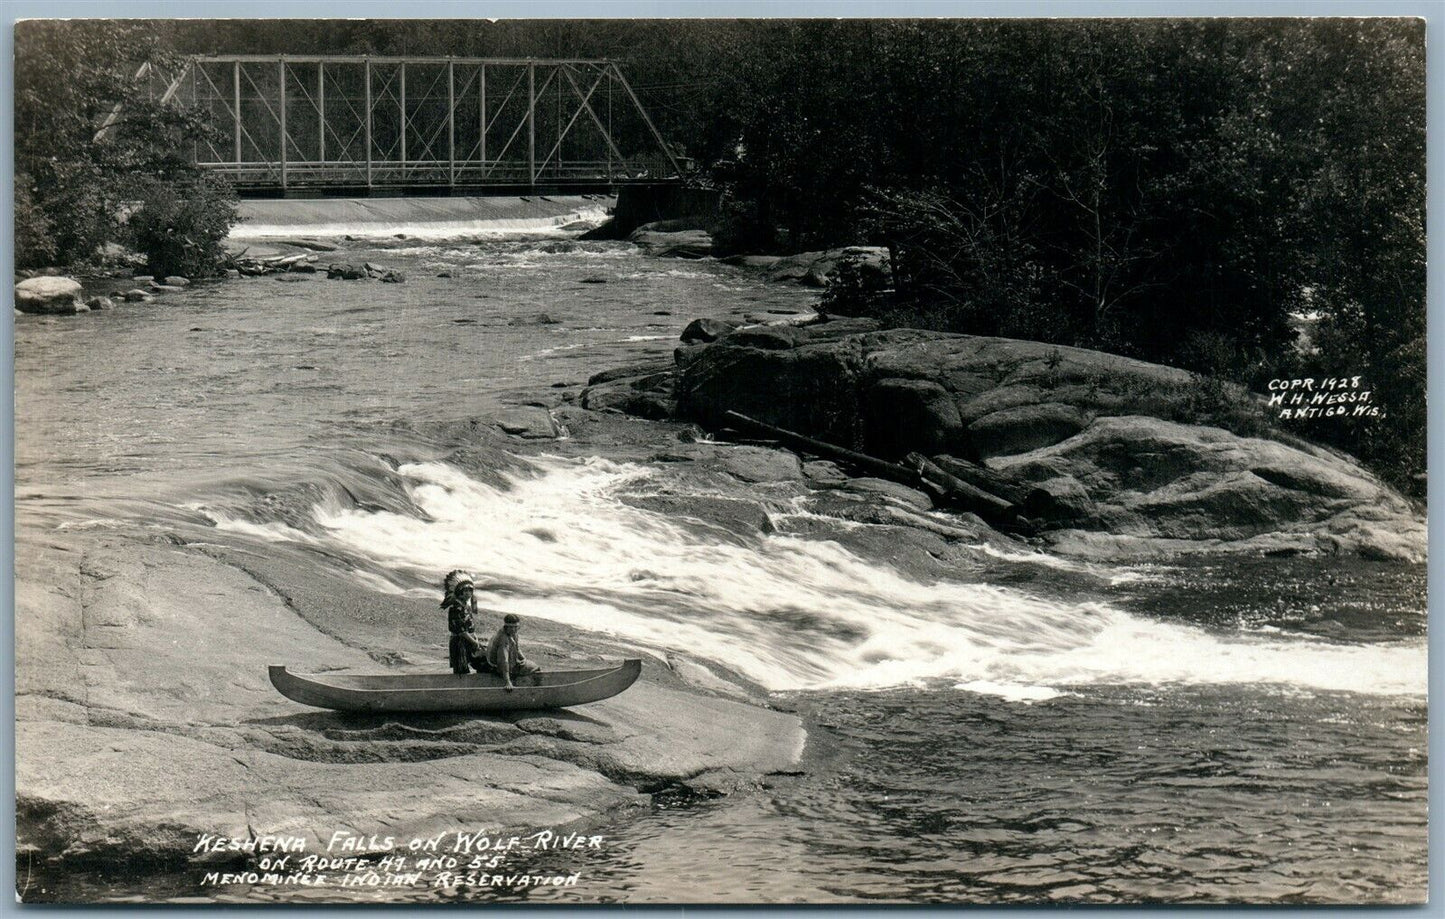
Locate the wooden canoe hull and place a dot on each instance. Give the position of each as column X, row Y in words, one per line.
column 447, row 692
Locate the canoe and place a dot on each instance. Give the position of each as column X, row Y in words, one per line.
column 450, row 692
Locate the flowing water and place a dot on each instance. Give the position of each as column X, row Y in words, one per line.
column 1037, row 729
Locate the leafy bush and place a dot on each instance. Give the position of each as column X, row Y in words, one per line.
column 740, row 228
column 180, row 226
column 34, row 232
column 852, row 289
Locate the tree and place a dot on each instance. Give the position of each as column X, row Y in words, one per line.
column 1183, row 191
column 1355, row 94
column 76, row 185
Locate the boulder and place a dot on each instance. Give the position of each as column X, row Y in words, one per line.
column 760, row 464
column 232, row 274
column 682, row 244
column 100, row 303
column 838, row 327
column 1023, row 428
column 824, row 474
column 175, row 280
column 137, row 296
column 902, row 416
column 392, row 276
column 794, row 267
column 1146, row 479
column 1060, row 499
column 55, row 296
column 645, row 395
column 753, row 261
column 346, row 272
column 771, row 337
column 891, row 390
column 811, row 389
column 539, row 319
column 632, row 371
column 706, row 330
column 529, row 421
column 991, row 369
column 813, row 268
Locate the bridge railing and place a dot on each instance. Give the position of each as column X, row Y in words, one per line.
column 439, row 172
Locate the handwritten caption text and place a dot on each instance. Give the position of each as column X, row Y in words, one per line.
column 452, row 859
column 1325, row 397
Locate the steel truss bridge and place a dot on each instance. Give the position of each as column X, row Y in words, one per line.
column 348, row 124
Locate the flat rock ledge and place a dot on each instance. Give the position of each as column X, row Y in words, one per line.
column 145, row 718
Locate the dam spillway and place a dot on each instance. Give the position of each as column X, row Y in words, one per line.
column 415, row 216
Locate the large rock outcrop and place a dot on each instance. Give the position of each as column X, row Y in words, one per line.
column 1112, row 453
column 892, row 392
column 1136, row 484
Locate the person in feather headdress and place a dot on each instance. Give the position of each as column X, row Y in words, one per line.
column 465, row 650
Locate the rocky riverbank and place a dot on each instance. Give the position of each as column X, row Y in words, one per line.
column 145, row 719
column 1100, row 456
column 144, row 716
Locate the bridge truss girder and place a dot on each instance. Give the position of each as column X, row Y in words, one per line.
column 315, row 121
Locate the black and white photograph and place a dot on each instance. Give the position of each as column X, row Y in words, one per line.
column 772, row 461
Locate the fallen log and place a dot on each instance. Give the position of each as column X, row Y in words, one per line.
column 990, row 507
column 957, row 491
column 983, row 478
column 901, row 517
column 881, row 468
column 313, row 244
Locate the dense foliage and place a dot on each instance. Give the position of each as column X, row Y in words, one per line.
column 1195, row 192
column 1191, row 192
column 136, row 184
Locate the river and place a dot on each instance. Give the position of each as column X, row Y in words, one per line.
column 1038, row 730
